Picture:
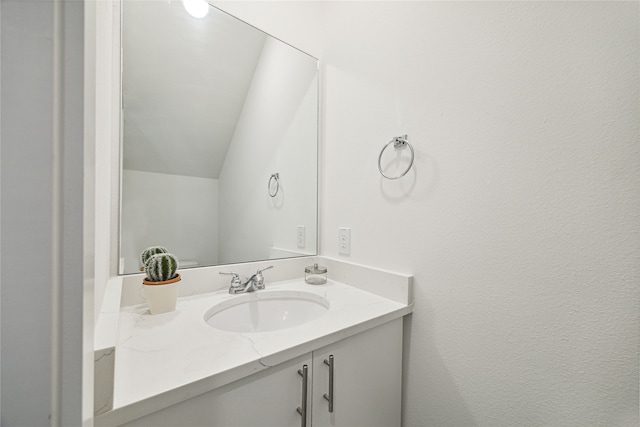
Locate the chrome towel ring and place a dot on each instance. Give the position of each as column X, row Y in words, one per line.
column 398, row 143
column 276, row 177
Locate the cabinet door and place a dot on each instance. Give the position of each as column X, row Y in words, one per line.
column 367, row 379
column 266, row 399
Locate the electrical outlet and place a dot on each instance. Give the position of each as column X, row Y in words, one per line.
column 300, row 237
column 344, row 241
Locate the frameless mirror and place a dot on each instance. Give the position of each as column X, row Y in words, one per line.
column 219, row 138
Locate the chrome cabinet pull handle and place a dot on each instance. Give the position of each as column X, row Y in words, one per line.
column 304, row 373
column 329, row 397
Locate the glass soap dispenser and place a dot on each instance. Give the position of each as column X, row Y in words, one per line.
column 315, row 274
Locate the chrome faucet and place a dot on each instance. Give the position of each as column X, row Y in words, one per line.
column 251, row 284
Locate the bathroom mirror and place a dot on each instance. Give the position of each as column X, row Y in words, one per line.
column 219, row 138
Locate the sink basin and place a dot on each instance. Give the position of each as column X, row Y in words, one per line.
column 264, row 311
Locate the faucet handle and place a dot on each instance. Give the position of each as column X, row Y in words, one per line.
column 259, row 278
column 235, row 280
column 260, row 270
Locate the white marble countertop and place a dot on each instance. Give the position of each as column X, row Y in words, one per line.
column 168, row 358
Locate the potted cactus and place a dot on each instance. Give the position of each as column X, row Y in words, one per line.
column 149, row 252
column 162, row 282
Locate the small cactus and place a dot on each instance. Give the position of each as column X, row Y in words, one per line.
column 149, row 252
column 161, row 267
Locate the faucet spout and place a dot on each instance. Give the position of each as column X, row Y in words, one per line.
column 252, row 284
column 249, row 285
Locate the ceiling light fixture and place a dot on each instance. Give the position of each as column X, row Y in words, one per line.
column 196, row 8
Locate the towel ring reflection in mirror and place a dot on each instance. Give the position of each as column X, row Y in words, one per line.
column 275, row 177
column 398, row 142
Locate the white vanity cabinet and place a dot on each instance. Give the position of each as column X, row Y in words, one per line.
column 367, row 377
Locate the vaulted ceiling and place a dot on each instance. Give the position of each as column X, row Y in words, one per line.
column 184, row 84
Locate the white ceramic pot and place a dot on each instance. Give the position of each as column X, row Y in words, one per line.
column 162, row 296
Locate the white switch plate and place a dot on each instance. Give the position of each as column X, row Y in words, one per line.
column 300, row 237
column 344, row 241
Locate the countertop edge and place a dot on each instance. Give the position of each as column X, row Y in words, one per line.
column 155, row 403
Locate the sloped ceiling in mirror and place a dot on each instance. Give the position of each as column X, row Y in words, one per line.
column 194, row 115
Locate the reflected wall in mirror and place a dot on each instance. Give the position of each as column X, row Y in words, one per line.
column 212, row 109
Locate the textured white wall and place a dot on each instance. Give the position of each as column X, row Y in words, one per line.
column 151, row 202
column 520, row 220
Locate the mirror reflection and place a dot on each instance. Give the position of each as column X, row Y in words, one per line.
column 219, row 139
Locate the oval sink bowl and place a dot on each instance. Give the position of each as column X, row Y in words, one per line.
column 264, row 311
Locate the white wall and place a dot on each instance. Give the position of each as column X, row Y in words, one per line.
column 274, row 134
column 151, row 201
column 520, row 219
column 47, row 223
column 17, row 244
